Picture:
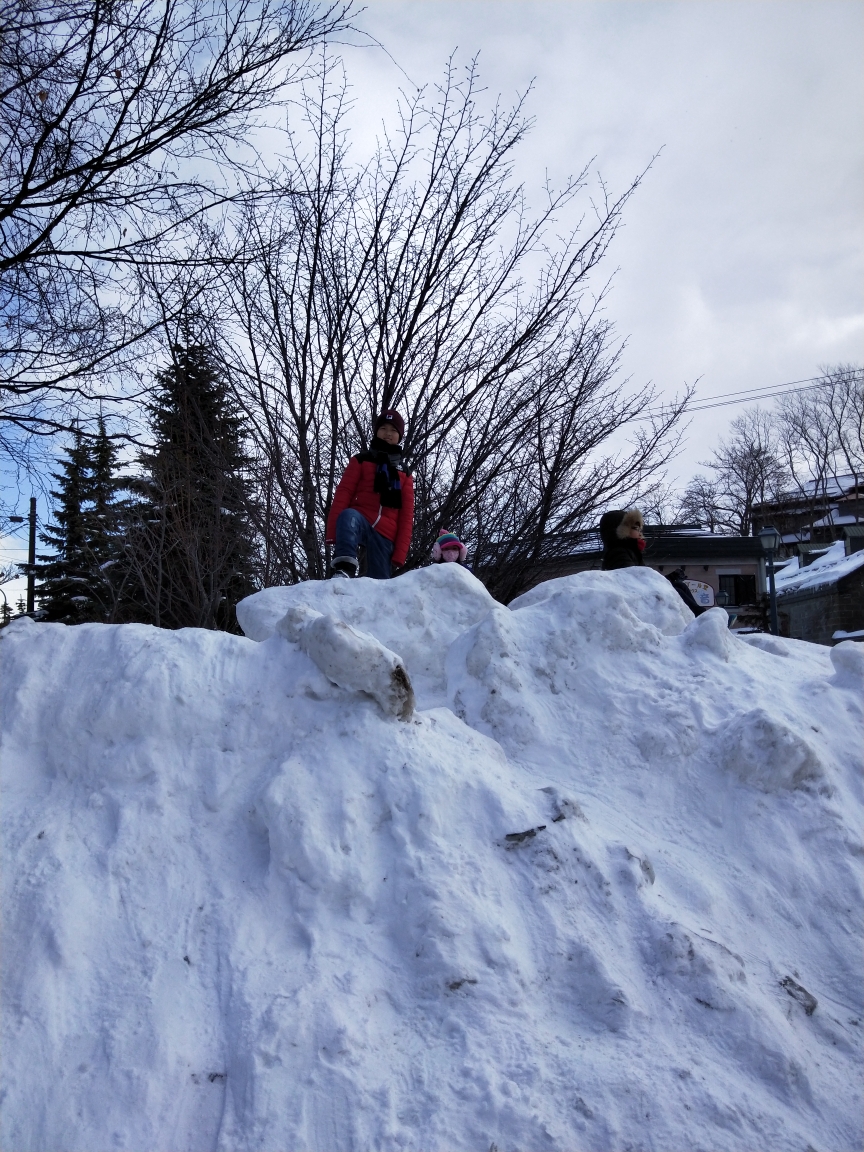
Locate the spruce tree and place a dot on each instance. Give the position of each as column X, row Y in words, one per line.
column 62, row 592
column 77, row 582
column 191, row 543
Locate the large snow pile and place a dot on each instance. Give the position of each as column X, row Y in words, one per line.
column 600, row 889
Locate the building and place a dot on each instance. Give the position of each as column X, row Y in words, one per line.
column 823, row 600
column 734, row 565
column 820, row 588
column 815, row 514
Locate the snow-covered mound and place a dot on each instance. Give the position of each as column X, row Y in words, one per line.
column 601, row 890
column 432, row 607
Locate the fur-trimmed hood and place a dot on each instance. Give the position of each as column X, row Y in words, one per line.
column 615, row 526
column 620, row 549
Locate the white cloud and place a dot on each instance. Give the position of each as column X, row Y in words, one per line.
column 742, row 254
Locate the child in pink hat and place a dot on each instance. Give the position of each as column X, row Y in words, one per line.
column 448, row 549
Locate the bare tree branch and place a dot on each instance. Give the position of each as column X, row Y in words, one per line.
column 404, row 283
column 112, row 114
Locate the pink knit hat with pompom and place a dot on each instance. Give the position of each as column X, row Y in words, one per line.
column 445, row 541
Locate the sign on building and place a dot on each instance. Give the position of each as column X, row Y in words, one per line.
column 703, row 593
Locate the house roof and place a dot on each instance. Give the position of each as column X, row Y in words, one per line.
column 827, row 490
column 827, row 569
column 677, row 548
column 830, row 487
column 835, row 517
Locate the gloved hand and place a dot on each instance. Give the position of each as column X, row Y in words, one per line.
column 395, row 568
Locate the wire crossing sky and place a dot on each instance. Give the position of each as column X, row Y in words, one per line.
column 740, row 265
column 750, row 395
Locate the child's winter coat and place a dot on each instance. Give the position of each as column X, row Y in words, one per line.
column 378, row 486
column 620, row 549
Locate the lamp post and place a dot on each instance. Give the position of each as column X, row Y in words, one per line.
column 721, row 599
column 770, row 538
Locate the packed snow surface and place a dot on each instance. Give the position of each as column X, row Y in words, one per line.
column 599, row 887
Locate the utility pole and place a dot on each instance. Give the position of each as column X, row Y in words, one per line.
column 31, row 556
column 31, row 561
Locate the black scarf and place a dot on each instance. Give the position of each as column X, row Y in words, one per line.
column 386, row 458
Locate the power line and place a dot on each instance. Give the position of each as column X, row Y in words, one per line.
column 749, row 395
column 767, row 388
column 766, row 393
column 700, row 407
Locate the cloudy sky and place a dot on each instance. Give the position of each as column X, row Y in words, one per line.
column 741, row 259
column 741, row 262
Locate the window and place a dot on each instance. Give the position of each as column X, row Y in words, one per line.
column 739, row 589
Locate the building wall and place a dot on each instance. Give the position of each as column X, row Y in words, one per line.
column 817, row 615
column 711, row 573
column 693, row 569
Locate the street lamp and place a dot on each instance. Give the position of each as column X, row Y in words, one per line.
column 770, row 538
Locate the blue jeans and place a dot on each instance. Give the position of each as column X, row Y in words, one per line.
column 352, row 530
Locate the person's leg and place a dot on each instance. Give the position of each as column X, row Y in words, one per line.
column 379, row 551
column 350, row 531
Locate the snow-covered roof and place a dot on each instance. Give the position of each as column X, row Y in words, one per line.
column 833, row 488
column 836, row 517
column 830, row 486
column 830, row 567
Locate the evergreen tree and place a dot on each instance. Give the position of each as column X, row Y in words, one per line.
column 62, row 595
column 190, row 543
column 77, row 582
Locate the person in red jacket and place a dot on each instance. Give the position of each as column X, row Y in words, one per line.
column 374, row 506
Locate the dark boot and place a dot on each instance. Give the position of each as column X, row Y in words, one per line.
column 344, row 567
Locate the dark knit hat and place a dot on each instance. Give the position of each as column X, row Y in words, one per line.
column 391, row 416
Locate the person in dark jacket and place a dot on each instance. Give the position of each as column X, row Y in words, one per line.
column 374, row 505
column 676, row 579
column 623, row 542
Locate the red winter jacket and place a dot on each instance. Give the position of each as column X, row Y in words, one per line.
column 357, row 490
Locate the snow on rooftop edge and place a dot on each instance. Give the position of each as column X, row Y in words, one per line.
column 603, row 890
column 832, row 565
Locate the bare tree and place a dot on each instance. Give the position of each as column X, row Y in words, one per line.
column 661, row 504
column 748, row 471
column 701, row 503
column 112, row 114
column 822, row 437
column 404, row 283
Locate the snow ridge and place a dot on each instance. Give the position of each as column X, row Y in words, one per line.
column 601, row 889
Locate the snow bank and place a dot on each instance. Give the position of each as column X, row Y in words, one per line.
column 413, row 622
column 350, row 658
column 602, row 890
